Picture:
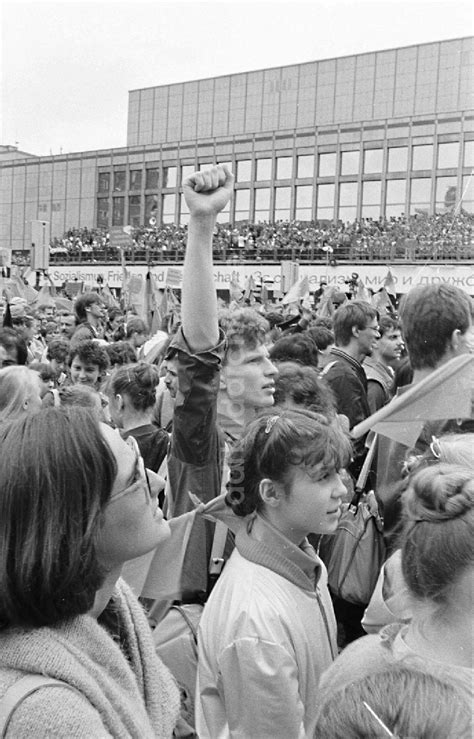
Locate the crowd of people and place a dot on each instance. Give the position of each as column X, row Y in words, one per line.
column 442, row 236
column 250, row 427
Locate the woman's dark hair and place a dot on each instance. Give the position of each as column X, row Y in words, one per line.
column 295, row 348
column 275, row 443
column 300, row 384
column 137, row 382
column 120, row 353
column 438, row 536
column 58, row 349
column 92, row 352
column 57, row 473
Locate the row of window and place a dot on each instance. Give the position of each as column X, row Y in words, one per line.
column 346, row 202
column 282, row 168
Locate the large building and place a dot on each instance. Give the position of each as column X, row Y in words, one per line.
column 381, row 133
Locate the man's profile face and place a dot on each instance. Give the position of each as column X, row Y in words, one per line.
column 170, row 368
column 248, row 376
column 390, row 345
column 368, row 337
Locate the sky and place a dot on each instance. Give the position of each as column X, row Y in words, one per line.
column 66, row 67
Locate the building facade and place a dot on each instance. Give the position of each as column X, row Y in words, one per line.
column 364, row 136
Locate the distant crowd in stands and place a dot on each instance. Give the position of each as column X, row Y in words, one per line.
column 441, row 236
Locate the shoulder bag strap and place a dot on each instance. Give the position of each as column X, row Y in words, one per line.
column 20, row 690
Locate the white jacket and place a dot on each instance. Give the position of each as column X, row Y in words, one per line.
column 265, row 637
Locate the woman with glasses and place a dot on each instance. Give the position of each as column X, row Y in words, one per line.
column 75, row 505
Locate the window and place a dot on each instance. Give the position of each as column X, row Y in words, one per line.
column 119, row 182
column 350, row 162
column 244, row 171
column 282, row 203
column 134, row 210
column 284, row 168
column 448, row 155
column 118, row 212
column 135, row 179
column 242, row 205
column 327, row 165
column 325, row 210
column 151, row 209
column 420, row 195
column 305, row 166
column 102, row 212
column 446, row 194
column 397, row 159
column 347, row 201
column 152, row 179
column 262, row 204
column 104, row 181
column 395, row 197
column 304, row 203
column 168, row 202
column 423, row 156
column 264, row 169
column 169, row 176
column 183, row 211
column 373, row 161
column 371, row 196
column 469, row 153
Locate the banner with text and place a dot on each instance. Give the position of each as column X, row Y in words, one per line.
column 373, row 277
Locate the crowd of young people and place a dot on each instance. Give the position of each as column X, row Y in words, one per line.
column 102, row 426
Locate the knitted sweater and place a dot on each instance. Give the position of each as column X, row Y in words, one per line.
column 123, row 695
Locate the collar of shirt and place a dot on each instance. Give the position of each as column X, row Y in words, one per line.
column 299, row 565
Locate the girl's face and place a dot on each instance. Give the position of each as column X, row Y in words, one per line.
column 310, row 503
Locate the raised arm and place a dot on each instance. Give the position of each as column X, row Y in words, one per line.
column 206, row 194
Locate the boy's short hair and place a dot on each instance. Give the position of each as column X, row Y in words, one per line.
column 84, row 301
column 429, row 315
column 243, row 328
column 135, row 325
column 356, row 313
column 388, row 323
column 91, row 352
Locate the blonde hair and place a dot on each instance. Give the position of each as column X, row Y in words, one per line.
column 17, row 384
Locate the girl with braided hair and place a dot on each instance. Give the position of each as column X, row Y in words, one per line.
column 437, row 557
column 268, row 629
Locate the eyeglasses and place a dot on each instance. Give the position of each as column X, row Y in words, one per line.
column 140, row 475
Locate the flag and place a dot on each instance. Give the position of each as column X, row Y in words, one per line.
column 249, row 288
column 381, row 302
column 362, row 293
column 389, row 284
column 235, row 290
column 446, row 393
column 107, row 297
column 297, row 291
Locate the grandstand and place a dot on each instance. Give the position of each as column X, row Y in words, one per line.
column 359, row 158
